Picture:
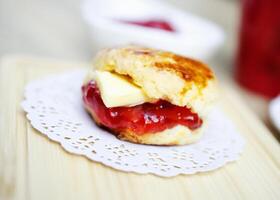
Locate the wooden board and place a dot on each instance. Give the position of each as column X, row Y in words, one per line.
column 32, row 167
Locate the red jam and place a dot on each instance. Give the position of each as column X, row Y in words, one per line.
column 144, row 118
column 158, row 24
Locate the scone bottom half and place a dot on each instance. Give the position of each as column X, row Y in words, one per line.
column 149, row 96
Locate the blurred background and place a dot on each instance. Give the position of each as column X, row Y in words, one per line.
column 63, row 29
column 56, row 28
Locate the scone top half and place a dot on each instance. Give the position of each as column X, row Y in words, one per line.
column 161, row 75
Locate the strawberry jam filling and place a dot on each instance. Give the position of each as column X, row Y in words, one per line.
column 141, row 119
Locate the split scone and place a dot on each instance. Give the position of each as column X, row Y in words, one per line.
column 149, row 96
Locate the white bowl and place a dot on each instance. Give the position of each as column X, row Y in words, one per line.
column 194, row 36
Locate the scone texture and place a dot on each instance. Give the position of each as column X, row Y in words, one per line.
column 162, row 75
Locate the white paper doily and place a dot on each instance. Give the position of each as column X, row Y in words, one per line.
column 54, row 107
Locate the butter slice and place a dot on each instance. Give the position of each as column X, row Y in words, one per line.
column 116, row 90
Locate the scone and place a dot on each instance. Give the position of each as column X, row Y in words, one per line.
column 149, row 96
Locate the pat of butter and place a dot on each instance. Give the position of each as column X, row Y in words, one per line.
column 116, row 90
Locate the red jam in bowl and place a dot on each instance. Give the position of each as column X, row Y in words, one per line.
column 141, row 119
column 157, row 24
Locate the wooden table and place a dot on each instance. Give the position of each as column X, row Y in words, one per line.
column 32, row 167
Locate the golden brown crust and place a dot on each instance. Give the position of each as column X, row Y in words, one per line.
column 187, row 68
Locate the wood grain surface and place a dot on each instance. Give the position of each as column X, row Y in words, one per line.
column 32, row 167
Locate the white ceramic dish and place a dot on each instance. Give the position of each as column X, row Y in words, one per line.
column 274, row 112
column 194, row 36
